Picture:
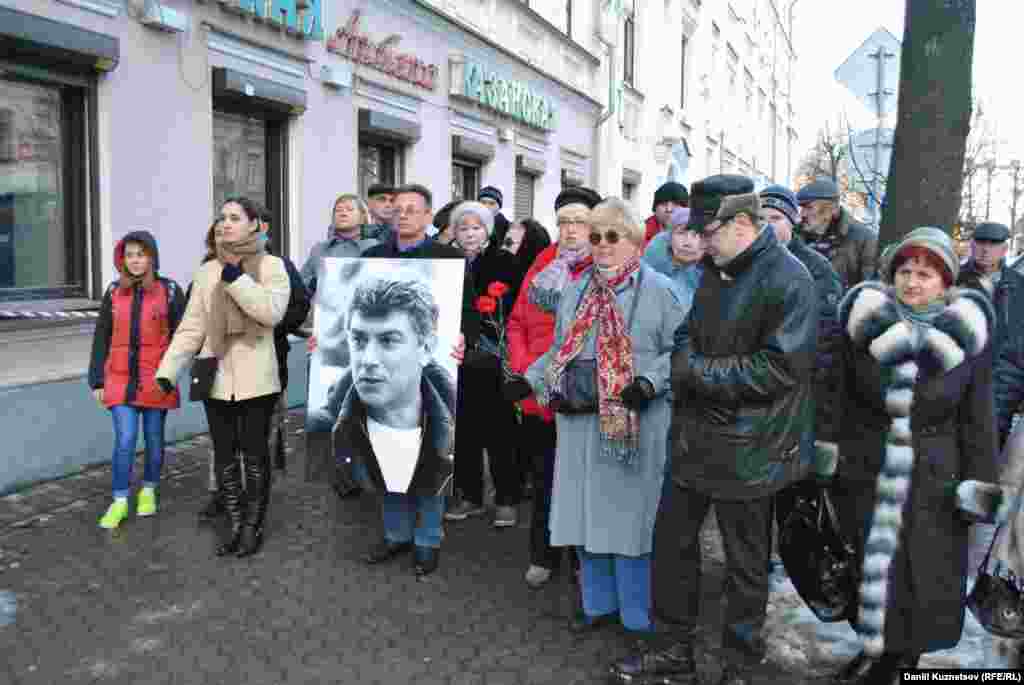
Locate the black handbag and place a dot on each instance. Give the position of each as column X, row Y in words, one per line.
column 997, row 601
column 204, row 372
column 577, row 392
column 818, row 558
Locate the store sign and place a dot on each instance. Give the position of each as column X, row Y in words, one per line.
column 300, row 16
column 350, row 43
column 513, row 98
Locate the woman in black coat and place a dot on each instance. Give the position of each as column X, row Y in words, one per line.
column 918, row 428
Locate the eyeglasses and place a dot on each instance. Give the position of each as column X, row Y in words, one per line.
column 611, row 237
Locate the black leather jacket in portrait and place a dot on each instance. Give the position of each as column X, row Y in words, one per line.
column 742, row 372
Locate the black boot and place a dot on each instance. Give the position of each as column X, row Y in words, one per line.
column 672, row 663
column 232, row 498
column 257, row 483
column 213, row 509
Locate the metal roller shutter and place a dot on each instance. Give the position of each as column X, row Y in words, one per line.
column 524, row 195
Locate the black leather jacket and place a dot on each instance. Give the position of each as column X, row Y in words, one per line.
column 742, row 372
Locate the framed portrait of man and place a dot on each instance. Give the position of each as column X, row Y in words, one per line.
column 382, row 382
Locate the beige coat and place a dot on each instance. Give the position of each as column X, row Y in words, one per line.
column 249, row 368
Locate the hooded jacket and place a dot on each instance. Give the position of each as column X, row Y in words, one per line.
column 134, row 330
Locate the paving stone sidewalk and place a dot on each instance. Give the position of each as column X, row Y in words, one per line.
column 149, row 603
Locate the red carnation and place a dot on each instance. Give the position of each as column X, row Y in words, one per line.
column 497, row 289
column 486, row 304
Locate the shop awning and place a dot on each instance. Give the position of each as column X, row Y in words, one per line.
column 260, row 92
column 42, row 41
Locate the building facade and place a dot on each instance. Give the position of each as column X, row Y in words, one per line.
column 697, row 88
column 116, row 116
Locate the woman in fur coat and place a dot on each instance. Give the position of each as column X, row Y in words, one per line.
column 918, row 432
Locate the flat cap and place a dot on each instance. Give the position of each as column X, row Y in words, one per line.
column 992, row 232
column 706, row 196
column 747, row 203
column 577, row 195
column 819, row 189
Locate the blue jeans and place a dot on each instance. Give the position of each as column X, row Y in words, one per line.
column 399, row 512
column 612, row 583
column 126, row 433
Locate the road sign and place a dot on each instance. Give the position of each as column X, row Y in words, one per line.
column 864, row 164
column 876, row 61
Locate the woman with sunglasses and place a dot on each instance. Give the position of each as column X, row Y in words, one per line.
column 605, row 377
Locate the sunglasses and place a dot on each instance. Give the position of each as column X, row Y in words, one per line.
column 611, row 237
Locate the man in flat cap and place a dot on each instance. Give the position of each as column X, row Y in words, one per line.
column 829, row 229
column 380, row 200
column 986, row 270
column 669, row 197
column 742, row 430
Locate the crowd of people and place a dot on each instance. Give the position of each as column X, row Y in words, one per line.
column 733, row 345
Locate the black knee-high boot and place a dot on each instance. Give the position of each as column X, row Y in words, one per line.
column 234, row 500
column 257, row 483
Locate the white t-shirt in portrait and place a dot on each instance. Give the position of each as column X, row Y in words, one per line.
column 397, row 451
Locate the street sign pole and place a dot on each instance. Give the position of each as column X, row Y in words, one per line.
column 880, row 55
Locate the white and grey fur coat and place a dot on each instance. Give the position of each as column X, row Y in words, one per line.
column 909, row 354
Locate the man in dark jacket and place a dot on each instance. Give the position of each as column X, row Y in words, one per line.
column 666, row 198
column 410, row 241
column 742, row 373
column 986, row 271
column 492, row 198
column 830, row 230
column 380, row 200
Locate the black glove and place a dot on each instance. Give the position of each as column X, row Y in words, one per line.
column 165, row 385
column 555, row 402
column 516, row 388
column 638, row 394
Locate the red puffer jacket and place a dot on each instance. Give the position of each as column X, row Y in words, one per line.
column 134, row 330
column 530, row 330
column 651, row 229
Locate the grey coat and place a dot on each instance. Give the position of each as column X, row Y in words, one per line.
column 598, row 504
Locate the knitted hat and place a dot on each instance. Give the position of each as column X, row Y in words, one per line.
column 992, row 232
column 671, row 192
column 747, row 203
column 820, row 189
column 492, row 193
column 706, row 196
column 784, row 200
column 577, row 195
column 380, row 189
column 936, row 241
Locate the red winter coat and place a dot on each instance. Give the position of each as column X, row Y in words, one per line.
column 530, row 330
column 652, row 228
column 134, row 330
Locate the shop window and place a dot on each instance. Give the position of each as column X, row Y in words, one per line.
column 525, row 183
column 465, row 180
column 380, row 162
column 44, row 234
column 248, row 161
column 628, row 191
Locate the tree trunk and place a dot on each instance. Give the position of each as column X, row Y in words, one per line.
column 926, row 174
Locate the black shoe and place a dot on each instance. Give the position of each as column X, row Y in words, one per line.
column 426, row 560
column 386, row 551
column 213, row 509
column 229, row 546
column 250, row 540
column 674, row 665
column 581, row 624
column 854, row 670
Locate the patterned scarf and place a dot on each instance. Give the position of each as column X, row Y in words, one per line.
column 549, row 283
column 619, row 426
column 825, row 243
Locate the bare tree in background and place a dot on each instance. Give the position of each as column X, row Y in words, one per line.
column 927, row 172
column 829, row 156
column 979, row 149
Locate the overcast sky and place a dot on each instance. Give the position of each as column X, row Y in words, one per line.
column 827, row 31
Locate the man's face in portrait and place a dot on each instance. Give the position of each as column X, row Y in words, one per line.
column 387, row 359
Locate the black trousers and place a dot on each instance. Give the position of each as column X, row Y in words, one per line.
column 746, row 529
column 537, row 438
column 242, row 426
column 486, row 420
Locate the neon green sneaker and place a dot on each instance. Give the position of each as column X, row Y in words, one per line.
column 117, row 512
column 146, row 505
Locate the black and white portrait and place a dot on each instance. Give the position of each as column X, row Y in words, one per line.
column 382, row 380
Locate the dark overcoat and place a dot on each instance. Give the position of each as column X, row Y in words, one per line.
column 917, row 419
